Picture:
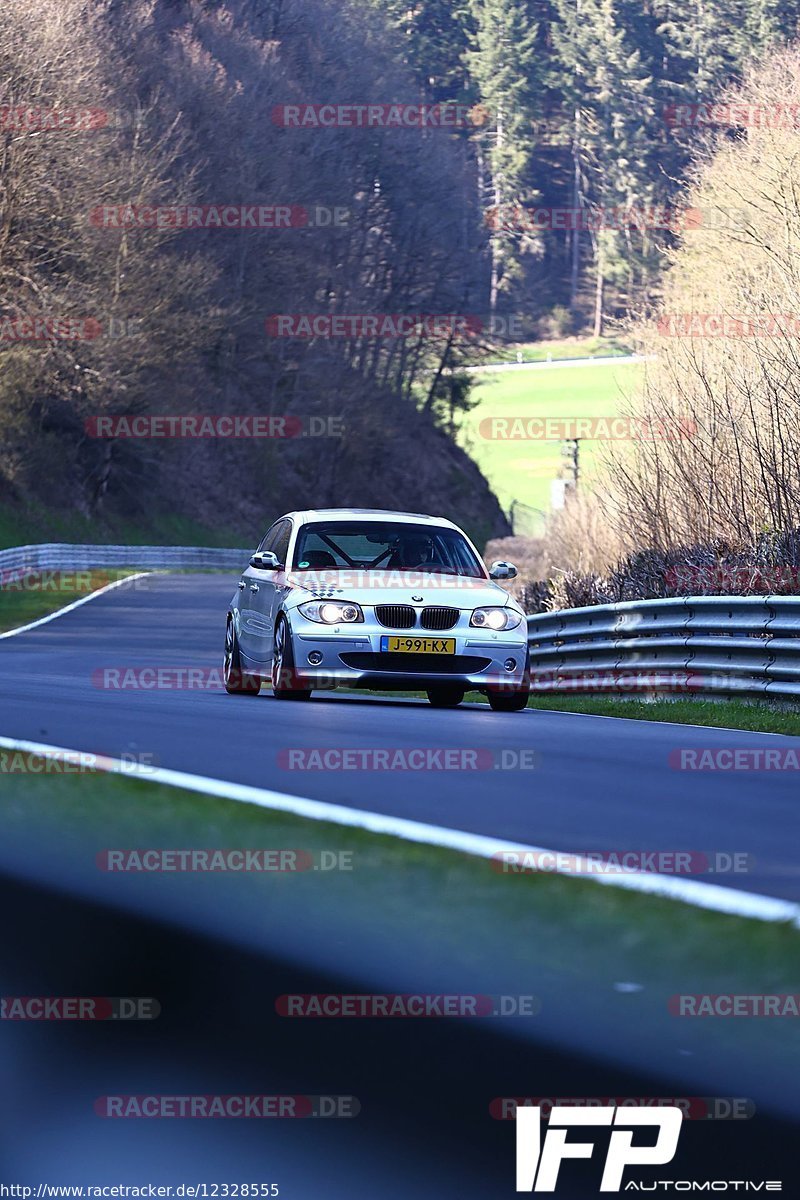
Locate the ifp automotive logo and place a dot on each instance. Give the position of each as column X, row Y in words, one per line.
column 538, row 1164
column 538, row 1161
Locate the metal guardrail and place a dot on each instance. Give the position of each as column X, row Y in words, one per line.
column 718, row 644
column 59, row 556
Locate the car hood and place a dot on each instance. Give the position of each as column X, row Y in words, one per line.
column 395, row 587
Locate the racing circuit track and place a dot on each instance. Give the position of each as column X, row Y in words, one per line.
column 599, row 785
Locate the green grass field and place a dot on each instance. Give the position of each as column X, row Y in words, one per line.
column 522, row 470
column 566, row 940
column 758, row 717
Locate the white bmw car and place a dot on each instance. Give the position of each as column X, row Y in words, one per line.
column 389, row 601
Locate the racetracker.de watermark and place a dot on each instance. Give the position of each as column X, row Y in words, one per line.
column 621, row 862
column 380, row 578
column 74, row 762
column 618, row 680
column 734, row 758
column 729, row 325
column 519, row 218
column 70, row 583
column 304, row 326
column 558, row 429
column 407, row 1005
column 160, row 678
column 41, row 328
column 731, row 1004
column 217, row 860
column 214, row 425
column 446, row 115
column 218, row 216
column 230, row 1107
column 694, row 1108
column 732, row 115
column 721, row 578
column 32, row 118
column 406, row 758
column 79, row 1008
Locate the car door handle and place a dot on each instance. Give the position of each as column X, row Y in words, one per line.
column 253, row 587
column 241, row 585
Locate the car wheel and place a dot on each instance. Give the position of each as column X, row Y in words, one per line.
column 237, row 682
column 283, row 670
column 446, row 697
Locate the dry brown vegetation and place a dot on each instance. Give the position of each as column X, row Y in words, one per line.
column 736, row 476
column 712, row 504
column 191, row 87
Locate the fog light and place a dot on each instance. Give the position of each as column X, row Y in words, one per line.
column 510, row 664
column 315, row 658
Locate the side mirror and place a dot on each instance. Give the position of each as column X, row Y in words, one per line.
column 502, row 570
column 265, row 561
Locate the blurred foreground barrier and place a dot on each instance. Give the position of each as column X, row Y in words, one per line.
column 724, row 644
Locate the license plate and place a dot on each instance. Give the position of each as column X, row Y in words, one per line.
column 418, row 645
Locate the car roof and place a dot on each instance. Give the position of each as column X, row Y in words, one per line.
column 305, row 516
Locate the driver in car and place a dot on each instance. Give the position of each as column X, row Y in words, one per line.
column 412, row 552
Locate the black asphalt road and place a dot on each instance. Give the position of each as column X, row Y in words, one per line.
column 599, row 784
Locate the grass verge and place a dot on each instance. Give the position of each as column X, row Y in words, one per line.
column 37, row 595
column 730, row 714
column 591, row 952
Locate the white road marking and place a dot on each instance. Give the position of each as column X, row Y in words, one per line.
column 700, row 895
column 61, row 612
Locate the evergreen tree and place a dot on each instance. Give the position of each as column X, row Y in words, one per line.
column 603, row 74
column 610, row 92
column 507, row 72
column 434, row 36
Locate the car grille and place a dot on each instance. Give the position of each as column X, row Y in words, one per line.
column 439, row 618
column 416, row 664
column 396, row 616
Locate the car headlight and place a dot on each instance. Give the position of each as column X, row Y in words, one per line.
column 495, row 618
column 331, row 612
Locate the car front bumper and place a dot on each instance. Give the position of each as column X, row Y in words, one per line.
column 351, row 656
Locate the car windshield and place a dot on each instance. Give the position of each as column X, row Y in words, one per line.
column 393, row 546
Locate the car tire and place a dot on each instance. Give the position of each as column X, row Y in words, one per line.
column 446, row 697
column 283, row 664
column 237, row 682
column 510, row 702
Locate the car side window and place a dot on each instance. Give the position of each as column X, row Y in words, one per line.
column 270, row 538
column 281, row 547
